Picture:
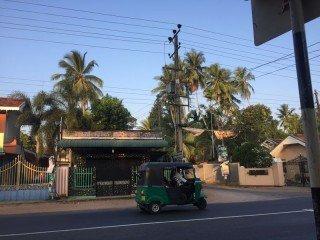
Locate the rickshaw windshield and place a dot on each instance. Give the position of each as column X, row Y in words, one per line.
column 189, row 173
column 141, row 178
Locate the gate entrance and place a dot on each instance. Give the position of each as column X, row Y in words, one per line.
column 116, row 176
column 22, row 181
column 296, row 172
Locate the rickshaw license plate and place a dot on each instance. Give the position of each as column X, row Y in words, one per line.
column 143, row 198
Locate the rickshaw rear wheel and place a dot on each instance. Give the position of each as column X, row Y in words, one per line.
column 155, row 208
column 201, row 204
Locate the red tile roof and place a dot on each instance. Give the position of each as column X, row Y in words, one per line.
column 10, row 102
column 301, row 137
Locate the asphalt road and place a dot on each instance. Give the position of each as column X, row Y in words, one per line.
column 289, row 218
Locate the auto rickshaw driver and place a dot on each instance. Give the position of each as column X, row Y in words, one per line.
column 178, row 177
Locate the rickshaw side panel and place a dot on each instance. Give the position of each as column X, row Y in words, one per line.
column 148, row 194
column 198, row 191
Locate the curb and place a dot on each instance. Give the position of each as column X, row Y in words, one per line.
column 94, row 198
column 69, row 200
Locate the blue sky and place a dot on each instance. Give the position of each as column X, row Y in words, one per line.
column 27, row 65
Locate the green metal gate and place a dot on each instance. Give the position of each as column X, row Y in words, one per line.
column 82, row 181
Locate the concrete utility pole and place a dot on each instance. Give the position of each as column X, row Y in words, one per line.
column 307, row 104
column 212, row 136
column 318, row 104
column 178, row 112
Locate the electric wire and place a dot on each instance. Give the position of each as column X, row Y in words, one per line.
column 81, row 44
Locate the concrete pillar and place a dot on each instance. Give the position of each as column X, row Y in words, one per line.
column 278, row 174
column 62, row 172
column 204, row 171
column 62, row 180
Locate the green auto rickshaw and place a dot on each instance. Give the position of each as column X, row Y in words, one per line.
column 168, row 183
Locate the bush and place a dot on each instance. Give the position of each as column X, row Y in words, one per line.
column 252, row 155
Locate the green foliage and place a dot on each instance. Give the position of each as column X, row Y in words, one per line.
column 256, row 124
column 220, row 87
column 289, row 120
column 197, row 149
column 27, row 141
column 77, row 77
column 252, row 155
column 193, row 64
column 145, row 125
column 109, row 113
column 294, row 124
column 223, row 86
column 42, row 114
column 160, row 120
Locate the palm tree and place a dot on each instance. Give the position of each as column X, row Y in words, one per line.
column 293, row 124
column 189, row 148
column 146, row 125
column 42, row 114
column 163, row 81
column 86, row 86
column 162, row 89
column 220, row 88
column 284, row 114
column 68, row 102
column 242, row 78
column 194, row 70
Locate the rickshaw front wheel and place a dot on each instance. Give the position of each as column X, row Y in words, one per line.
column 201, row 204
column 154, row 208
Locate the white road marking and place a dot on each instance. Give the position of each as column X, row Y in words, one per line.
column 153, row 223
column 308, row 210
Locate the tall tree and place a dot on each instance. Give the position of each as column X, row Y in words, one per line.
column 194, row 75
column 252, row 155
column 256, row 124
column 68, row 102
column 242, row 79
column 108, row 113
column 86, row 86
column 163, row 81
column 163, row 97
column 289, row 120
column 284, row 114
column 161, row 120
column 220, row 88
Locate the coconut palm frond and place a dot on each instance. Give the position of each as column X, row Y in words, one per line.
column 90, row 67
column 95, row 80
column 94, row 89
column 145, row 125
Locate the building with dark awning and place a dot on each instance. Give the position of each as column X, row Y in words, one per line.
column 114, row 156
column 112, row 143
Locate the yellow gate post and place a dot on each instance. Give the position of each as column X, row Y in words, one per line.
column 18, row 172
